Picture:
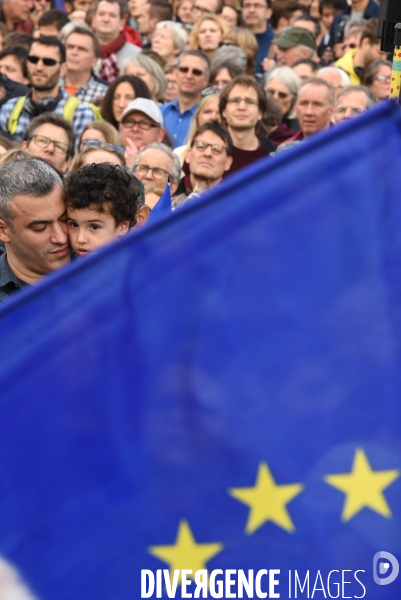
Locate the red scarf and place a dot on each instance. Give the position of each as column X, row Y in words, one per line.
column 113, row 47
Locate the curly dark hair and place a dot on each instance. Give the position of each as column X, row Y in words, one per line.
column 94, row 185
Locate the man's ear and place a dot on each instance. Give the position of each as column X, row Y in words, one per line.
column 123, row 228
column 24, row 145
column 173, row 188
column 142, row 215
column 229, row 162
column 4, row 232
column 161, row 134
column 63, row 69
column 67, row 163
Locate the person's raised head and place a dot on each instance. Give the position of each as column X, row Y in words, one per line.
column 32, row 218
column 82, row 49
column 169, row 40
column 103, row 202
column 141, row 124
column 50, row 137
column 242, row 103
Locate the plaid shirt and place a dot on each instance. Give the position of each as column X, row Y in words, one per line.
column 92, row 90
column 82, row 116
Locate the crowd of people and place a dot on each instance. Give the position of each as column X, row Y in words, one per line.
column 104, row 102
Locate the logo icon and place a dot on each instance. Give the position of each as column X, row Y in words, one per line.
column 382, row 561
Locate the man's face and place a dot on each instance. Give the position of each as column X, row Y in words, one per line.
column 80, row 53
column 139, row 128
column 242, row 110
column 255, row 13
column 327, row 16
column 10, row 66
column 201, row 7
column 50, row 143
column 107, row 20
column 289, row 56
column 191, row 76
column 313, row 108
column 143, row 20
column 154, row 180
column 37, row 238
column 350, row 105
column 41, row 77
column 208, row 158
column 17, row 10
column 89, row 229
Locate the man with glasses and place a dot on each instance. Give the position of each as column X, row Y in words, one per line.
column 256, row 15
column 209, row 159
column 192, row 77
column 155, row 166
column 46, row 64
column 351, row 102
column 242, row 105
column 141, row 125
column 51, row 138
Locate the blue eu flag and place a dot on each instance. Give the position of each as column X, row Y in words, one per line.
column 219, row 391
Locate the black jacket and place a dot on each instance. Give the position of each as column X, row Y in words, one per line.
column 340, row 21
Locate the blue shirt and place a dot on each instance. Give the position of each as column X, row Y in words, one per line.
column 176, row 123
column 264, row 40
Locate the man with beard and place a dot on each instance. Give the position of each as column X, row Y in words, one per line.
column 46, row 64
column 209, row 158
column 155, row 166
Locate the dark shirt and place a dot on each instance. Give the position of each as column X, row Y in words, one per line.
column 340, row 21
column 264, row 40
column 9, row 283
column 243, row 158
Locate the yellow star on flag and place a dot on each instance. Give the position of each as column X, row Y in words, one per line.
column 267, row 500
column 186, row 553
column 363, row 487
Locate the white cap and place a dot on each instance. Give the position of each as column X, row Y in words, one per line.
column 147, row 107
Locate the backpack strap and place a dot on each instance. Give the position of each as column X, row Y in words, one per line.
column 71, row 106
column 15, row 115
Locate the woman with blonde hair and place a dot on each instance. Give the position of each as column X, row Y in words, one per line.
column 97, row 154
column 246, row 40
column 99, row 131
column 207, row 111
column 207, row 34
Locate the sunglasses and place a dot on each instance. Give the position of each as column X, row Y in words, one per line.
column 196, row 72
column 97, row 144
column 48, row 62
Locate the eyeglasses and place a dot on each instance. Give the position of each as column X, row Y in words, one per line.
column 281, row 95
column 341, row 110
column 196, row 72
column 144, row 125
column 386, row 78
column 48, row 62
column 209, row 91
column 238, row 100
column 43, row 142
column 216, row 148
column 97, row 144
column 199, row 9
column 157, row 172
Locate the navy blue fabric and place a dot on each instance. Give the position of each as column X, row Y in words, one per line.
column 262, row 323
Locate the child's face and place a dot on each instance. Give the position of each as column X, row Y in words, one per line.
column 89, row 229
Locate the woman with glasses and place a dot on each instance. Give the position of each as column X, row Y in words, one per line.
column 120, row 93
column 207, row 34
column 169, row 40
column 150, row 72
column 377, row 78
column 283, row 84
column 99, row 131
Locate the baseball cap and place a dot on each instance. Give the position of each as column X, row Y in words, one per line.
column 293, row 36
column 147, row 107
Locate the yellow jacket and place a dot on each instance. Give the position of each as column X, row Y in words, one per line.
column 346, row 63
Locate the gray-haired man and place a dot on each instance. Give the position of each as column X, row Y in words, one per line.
column 154, row 166
column 33, row 224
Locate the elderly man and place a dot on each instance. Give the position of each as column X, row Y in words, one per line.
column 141, row 125
column 314, row 108
column 155, row 165
column 293, row 44
column 352, row 101
column 33, row 225
column 209, row 159
column 337, row 77
column 192, row 77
